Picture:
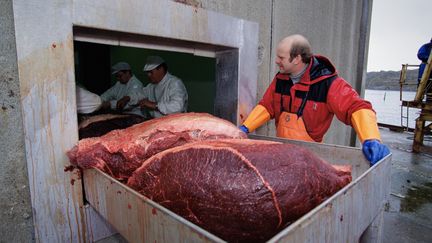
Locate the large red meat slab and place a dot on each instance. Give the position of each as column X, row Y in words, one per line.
column 241, row 190
column 120, row 152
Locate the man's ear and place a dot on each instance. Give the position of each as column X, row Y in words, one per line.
column 297, row 60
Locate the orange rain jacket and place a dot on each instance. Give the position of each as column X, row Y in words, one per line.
column 328, row 95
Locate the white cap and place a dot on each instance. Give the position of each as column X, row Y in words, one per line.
column 120, row 66
column 152, row 63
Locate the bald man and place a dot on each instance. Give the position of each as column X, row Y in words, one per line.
column 305, row 95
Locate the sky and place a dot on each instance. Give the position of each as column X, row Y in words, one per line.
column 398, row 29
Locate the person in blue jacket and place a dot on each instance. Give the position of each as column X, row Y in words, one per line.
column 423, row 54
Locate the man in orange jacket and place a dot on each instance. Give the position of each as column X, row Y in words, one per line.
column 305, row 95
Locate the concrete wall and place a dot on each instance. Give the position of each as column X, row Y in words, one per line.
column 44, row 51
column 16, row 224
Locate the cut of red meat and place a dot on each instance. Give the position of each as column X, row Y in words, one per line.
column 120, row 152
column 98, row 125
column 241, row 190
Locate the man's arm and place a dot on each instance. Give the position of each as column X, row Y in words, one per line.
column 258, row 116
column 134, row 94
column 345, row 102
column 365, row 124
column 147, row 104
column 262, row 112
column 121, row 103
column 175, row 97
column 108, row 98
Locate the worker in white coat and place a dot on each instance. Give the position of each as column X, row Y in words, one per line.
column 125, row 94
column 166, row 94
column 86, row 101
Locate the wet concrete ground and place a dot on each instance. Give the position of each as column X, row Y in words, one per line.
column 409, row 215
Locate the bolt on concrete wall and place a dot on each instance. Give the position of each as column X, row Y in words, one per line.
column 16, row 223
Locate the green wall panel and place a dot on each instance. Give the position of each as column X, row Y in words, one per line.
column 197, row 73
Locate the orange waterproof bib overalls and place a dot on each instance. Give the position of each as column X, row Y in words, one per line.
column 291, row 125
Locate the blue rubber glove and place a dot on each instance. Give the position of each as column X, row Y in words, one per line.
column 373, row 150
column 244, row 129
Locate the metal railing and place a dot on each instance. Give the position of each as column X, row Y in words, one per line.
column 403, row 82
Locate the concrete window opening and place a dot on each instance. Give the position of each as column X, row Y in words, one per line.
column 209, row 72
column 93, row 68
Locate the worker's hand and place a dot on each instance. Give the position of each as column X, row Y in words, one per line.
column 146, row 103
column 122, row 102
column 106, row 105
column 374, row 151
column 244, row 129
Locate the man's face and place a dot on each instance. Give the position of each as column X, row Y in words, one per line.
column 155, row 75
column 283, row 60
column 122, row 76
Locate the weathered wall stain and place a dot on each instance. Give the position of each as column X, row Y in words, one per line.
column 194, row 3
column 47, row 65
column 48, row 97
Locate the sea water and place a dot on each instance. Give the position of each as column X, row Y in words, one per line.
column 388, row 107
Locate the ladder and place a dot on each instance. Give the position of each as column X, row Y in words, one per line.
column 404, row 121
column 425, row 105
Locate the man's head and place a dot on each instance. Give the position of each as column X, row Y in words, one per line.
column 156, row 68
column 292, row 54
column 122, row 72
